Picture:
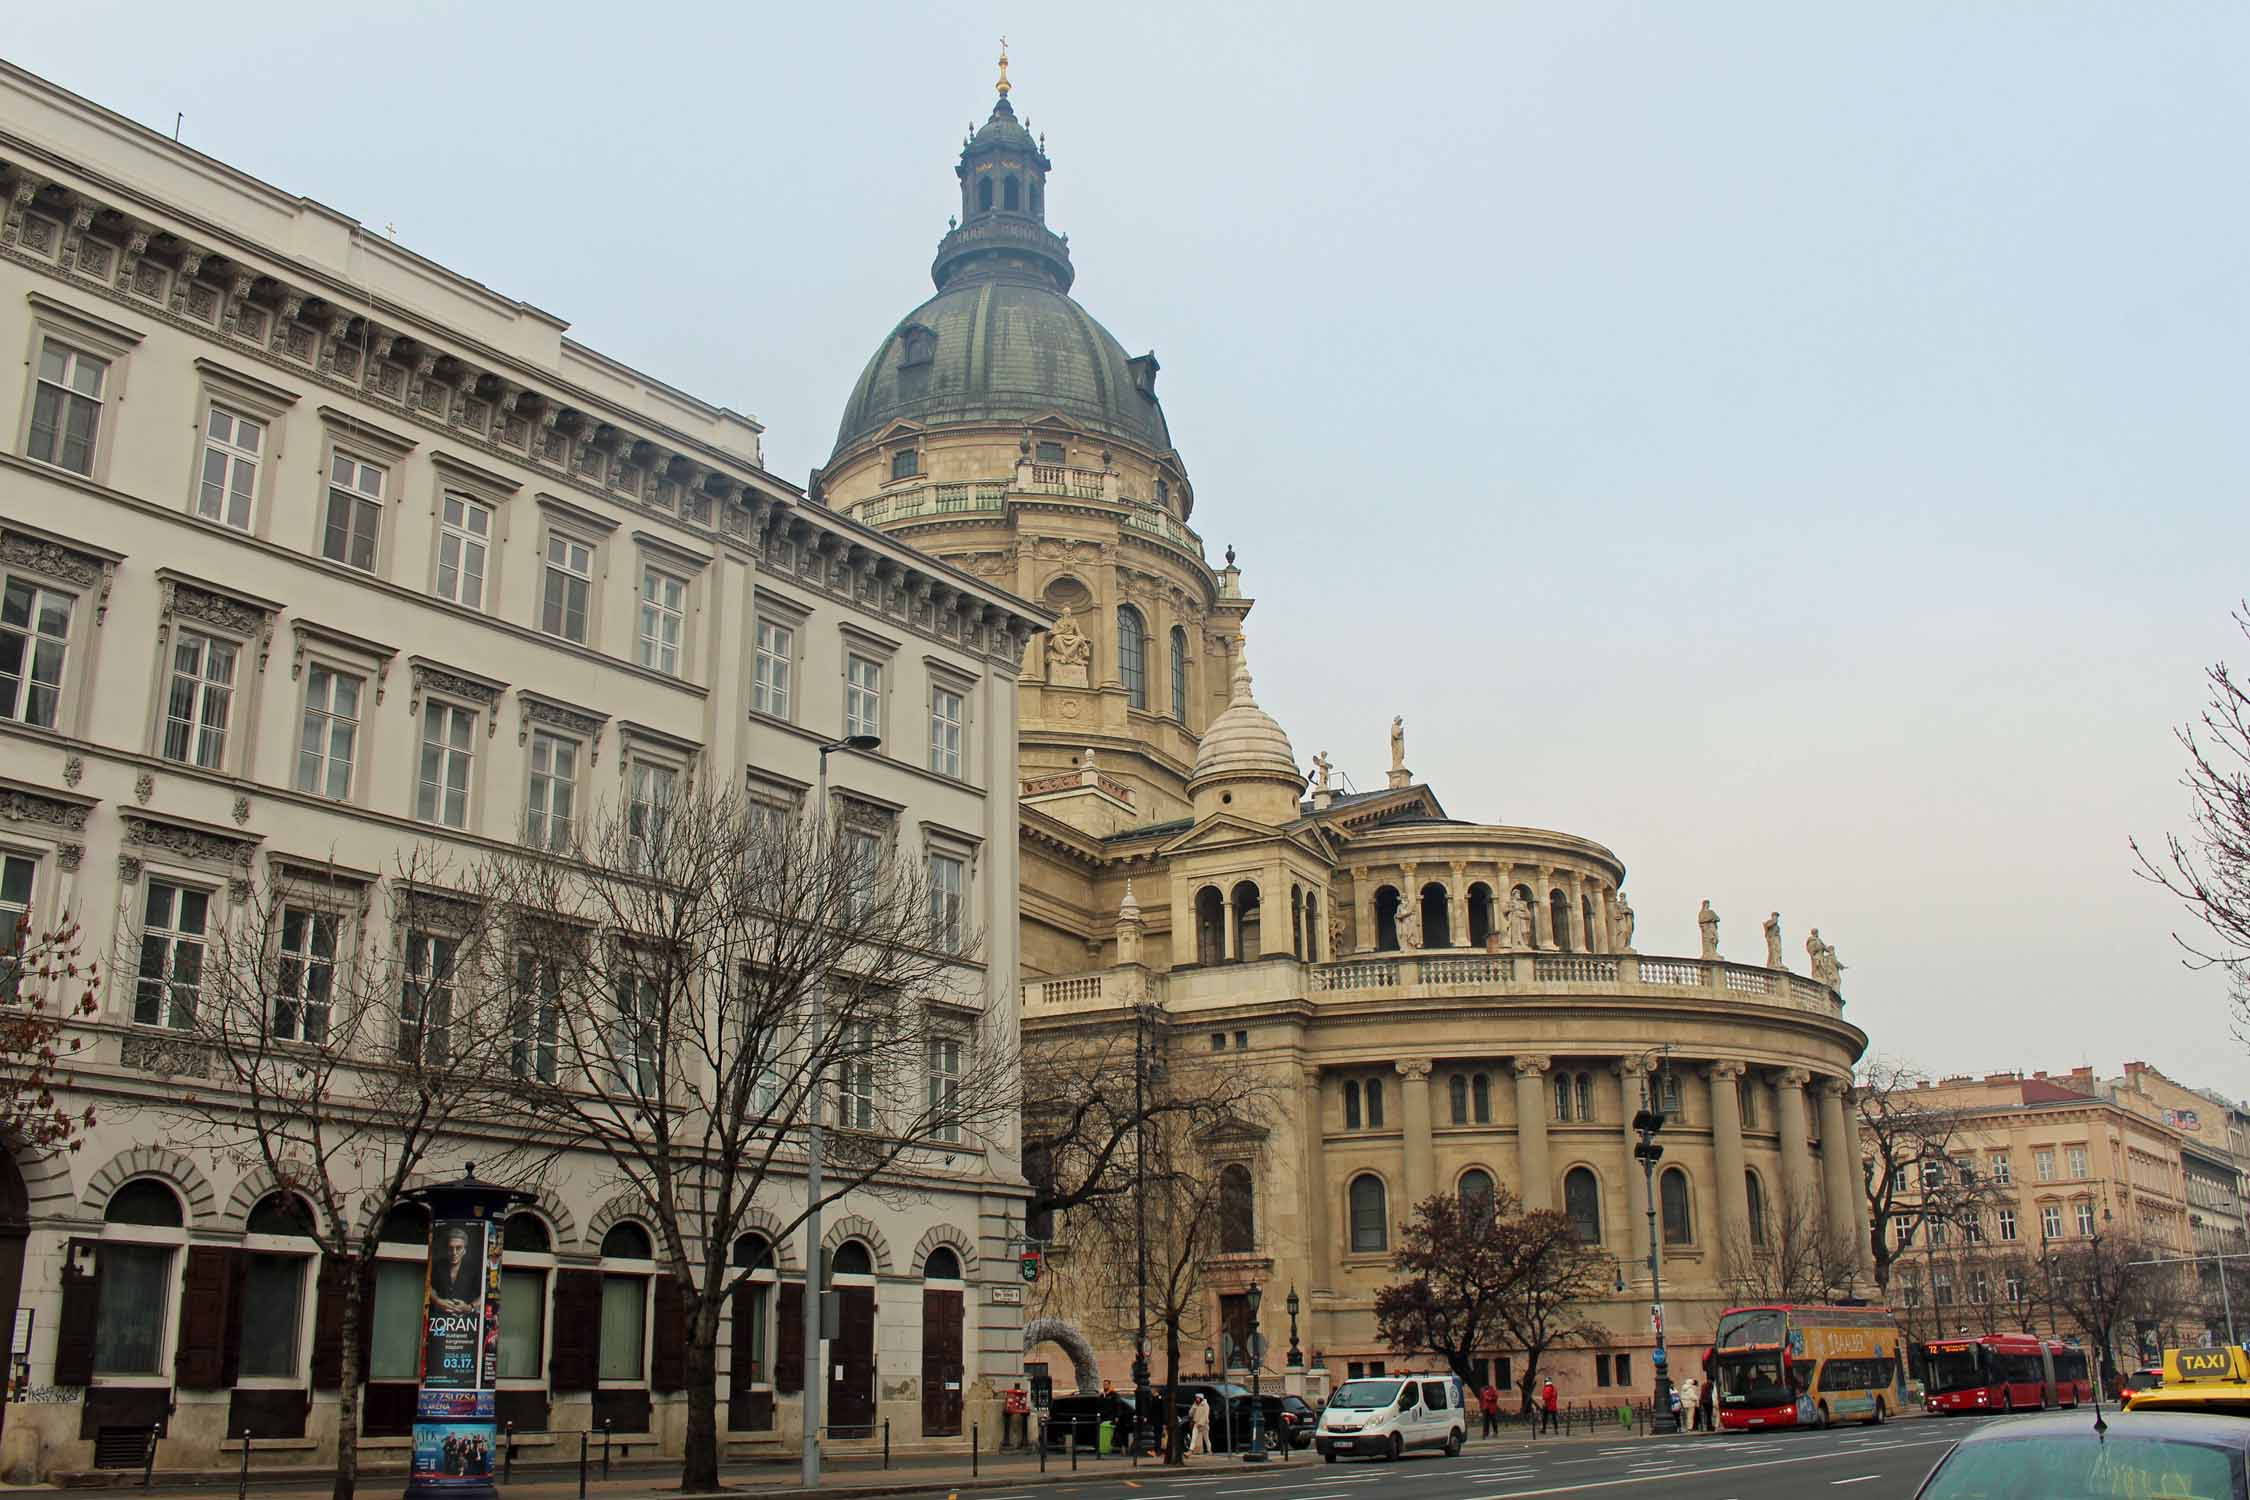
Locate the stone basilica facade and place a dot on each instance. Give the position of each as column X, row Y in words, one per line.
column 1444, row 1003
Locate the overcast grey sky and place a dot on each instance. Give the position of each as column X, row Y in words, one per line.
column 1801, row 446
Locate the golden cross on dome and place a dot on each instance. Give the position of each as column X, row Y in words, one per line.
column 1003, row 67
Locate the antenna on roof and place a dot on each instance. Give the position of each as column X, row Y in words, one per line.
column 177, row 117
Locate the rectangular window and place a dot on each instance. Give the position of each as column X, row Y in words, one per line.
column 273, row 1294
column 639, row 1008
column 551, row 801
column 448, row 752
column 624, row 1326
column 305, row 980
column 947, row 876
column 464, row 542
column 945, row 732
column 648, row 807
column 355, row 512
column 536, row 1016
column 1624, row 1369
column 855, row 1072
column 17, row 873
column 2007, row 1218
column 1902, row 1179
column 1601, row 1369
column 863, row 851
column 395, row 1343
column 2043, row 1164
column 66, row 412
column 2050, row 1221
column 945, row 1087
column 1937, row 1232
column 663, row 609
column 425, row 1012
column 2003, row 1170
column 769, row 689
column 174, row 923
column 201, row 698
column 1941, row 1288
column 523, row 1324
column 2085, row 1219
column 2077, row 1159
column 34, row 633
column 329, row 738
column 569, row 583
column 863, row 696
column 136, row 1286
column 232, row 446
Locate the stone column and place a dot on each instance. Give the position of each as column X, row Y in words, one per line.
column 1363, row 912
column 1414, row 1086
column 1531, row 1132
column 1602, row 915
column 1542, row 917
column 1726, row 1141
column 1852, row 1155
column 1226, row 928
column 1311, row 1106
column 1796, row 1143
column 1839, row 1168
column 1457, row 904
column 1632, row 1072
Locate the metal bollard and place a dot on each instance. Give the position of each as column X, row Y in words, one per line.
column 148, row 1465
column 242, row 1484
column 1042, row 1445
column 605, row 1447
column 975, row 1440
column 582, row 1440
column 1071, row 1437
column 886, row 1442
column 508, row 1457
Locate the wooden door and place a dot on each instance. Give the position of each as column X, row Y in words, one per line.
column 941, row 1363
column 851, row 1359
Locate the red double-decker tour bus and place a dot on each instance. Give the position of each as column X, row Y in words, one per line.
column 2004, row 1372
column 1792, row 1366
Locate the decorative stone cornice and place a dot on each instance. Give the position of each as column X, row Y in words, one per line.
column 20, row 803
column 534, row 708
column 243, row 615
column 39, row 552
column 302, row 631
column 455, row 682
column 196, row 842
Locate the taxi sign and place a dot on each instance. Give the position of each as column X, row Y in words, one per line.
column 2200, row 1380
column 2186, row 1366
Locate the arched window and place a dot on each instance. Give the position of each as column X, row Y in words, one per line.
column 1558, row 912
column 627, row 1241
column 1210, row 926
column 1562, row 1096
column 1679, row 1225
column 1132, row 654
column 852, row 1259
column 1351, row 1104
column 942, row 1265
column 1668, row 1095
column 1179, row 674
column 1238, row 1223
column 146, row 1202
column 1582, row 1201
column 753, row 1311
column 1038, row 198
column 1756, row 1193
column 1386, row 919
column 984, row 195
column 1312, row 927
column 1374, row 1104
column 1476, row 1193
column 1437, row 917
column 1480, row 914
column 1011, row 196
column 1371, row 1229
column 280, row 1213
column 1585, row 1096
column 1586, row 920
column 525, row 1234
column 1249, row 943
column 1297, row 920
column 1480, row 1098
column 144, row 1226
column 1458, row 1092
column 407, row 1224
column 754, row 1251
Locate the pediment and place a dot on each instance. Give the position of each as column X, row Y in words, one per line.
column 901, row 429
column 1221, row 831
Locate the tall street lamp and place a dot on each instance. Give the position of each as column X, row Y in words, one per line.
column 1647, row 1122
column 1297, row 1355
column 1257, row 1355
column 816, row 1287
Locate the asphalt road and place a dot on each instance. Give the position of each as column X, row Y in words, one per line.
column 1856, row 1463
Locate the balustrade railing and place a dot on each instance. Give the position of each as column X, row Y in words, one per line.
column 932, row 500
column 1073, row 991
column 1465, row 970
column 1681, row 971
column 1357, row 974
column 1574, row 970
column 1749, row 981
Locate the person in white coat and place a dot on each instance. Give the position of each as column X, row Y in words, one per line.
column 1689, row 1391
column 1199, row 1427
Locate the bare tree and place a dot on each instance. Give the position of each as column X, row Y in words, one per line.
column 2102, row 1284
column 1915, row 1164
column 1557, row 1273
column 2209, row 869
column 1793, row 1255
column 1457, row 1261
column 337, row 1052
column 690, row 974
column 49, row 986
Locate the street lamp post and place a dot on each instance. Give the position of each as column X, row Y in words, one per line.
column 1257, row 1356
column 1143, row 1397
column 1647, row 1122
column 815, row 1287
column 1297, row 1355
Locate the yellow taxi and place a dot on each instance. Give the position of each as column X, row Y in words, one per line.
column 2209, row 1380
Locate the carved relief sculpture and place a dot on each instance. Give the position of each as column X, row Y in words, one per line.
column 1069, row 654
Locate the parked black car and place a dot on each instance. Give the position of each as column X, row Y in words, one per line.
column 1299, row 1418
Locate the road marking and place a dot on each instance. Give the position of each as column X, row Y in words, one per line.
column 1855, row 1479
column 1769, row 1463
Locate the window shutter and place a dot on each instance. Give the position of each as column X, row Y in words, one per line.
column 328, row 1324
column 200, row 1364
column 74, row 1328
column 744, row 1371
column 230, row 1342
column 789, row 1356
column 667, row 1370
column 578, row 1332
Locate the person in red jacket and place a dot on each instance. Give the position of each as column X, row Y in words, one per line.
column 1488, row 1401
column 1548, row 1402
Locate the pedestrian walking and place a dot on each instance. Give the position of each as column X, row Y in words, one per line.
column 1687, row 1393
column 1706, row 1403
column 1549, row 1400
column 1199, row 1427
column 1488, row 1401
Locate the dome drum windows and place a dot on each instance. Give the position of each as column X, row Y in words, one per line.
column 1363, row 1104
column 1132, row 655
column 1470, row 1098
column 1574, row 1097
column 1238, row 1224
column 1475, row 1193
column 1582, row 1204
column 1677, row 1208
column 1370, row 1215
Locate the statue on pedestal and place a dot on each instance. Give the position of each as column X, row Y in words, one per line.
column 1825, row 966
column 1408, row 921
column 1624, row 923
column 1708, row 921
column 1519, row 923
column 1070, row 655
column 1773, row 942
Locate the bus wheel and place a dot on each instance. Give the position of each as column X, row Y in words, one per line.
column 1877, row 1419
column 1825, row 1424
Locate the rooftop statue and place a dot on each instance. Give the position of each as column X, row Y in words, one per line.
column 1708, row 921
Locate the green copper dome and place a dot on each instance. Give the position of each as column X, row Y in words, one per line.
column 1002, row 341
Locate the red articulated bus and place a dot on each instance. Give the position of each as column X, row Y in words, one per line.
column 2004, row 1372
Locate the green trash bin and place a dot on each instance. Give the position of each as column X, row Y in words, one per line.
column 1107, row 1435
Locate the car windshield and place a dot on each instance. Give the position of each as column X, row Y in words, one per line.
column 1365, row 1395
column 1754, row 1380
column 2087, row 1467
column 1954, row 1370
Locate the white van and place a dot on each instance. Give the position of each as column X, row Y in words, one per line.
column 1390, row 1414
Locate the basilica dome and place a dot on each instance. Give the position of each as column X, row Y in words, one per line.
column 1002, row 341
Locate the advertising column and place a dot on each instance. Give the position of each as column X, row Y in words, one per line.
column 455, row 1424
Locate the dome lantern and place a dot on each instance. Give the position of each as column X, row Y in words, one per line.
column 1245, row 764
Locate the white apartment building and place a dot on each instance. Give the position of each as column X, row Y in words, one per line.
column 313, row 550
